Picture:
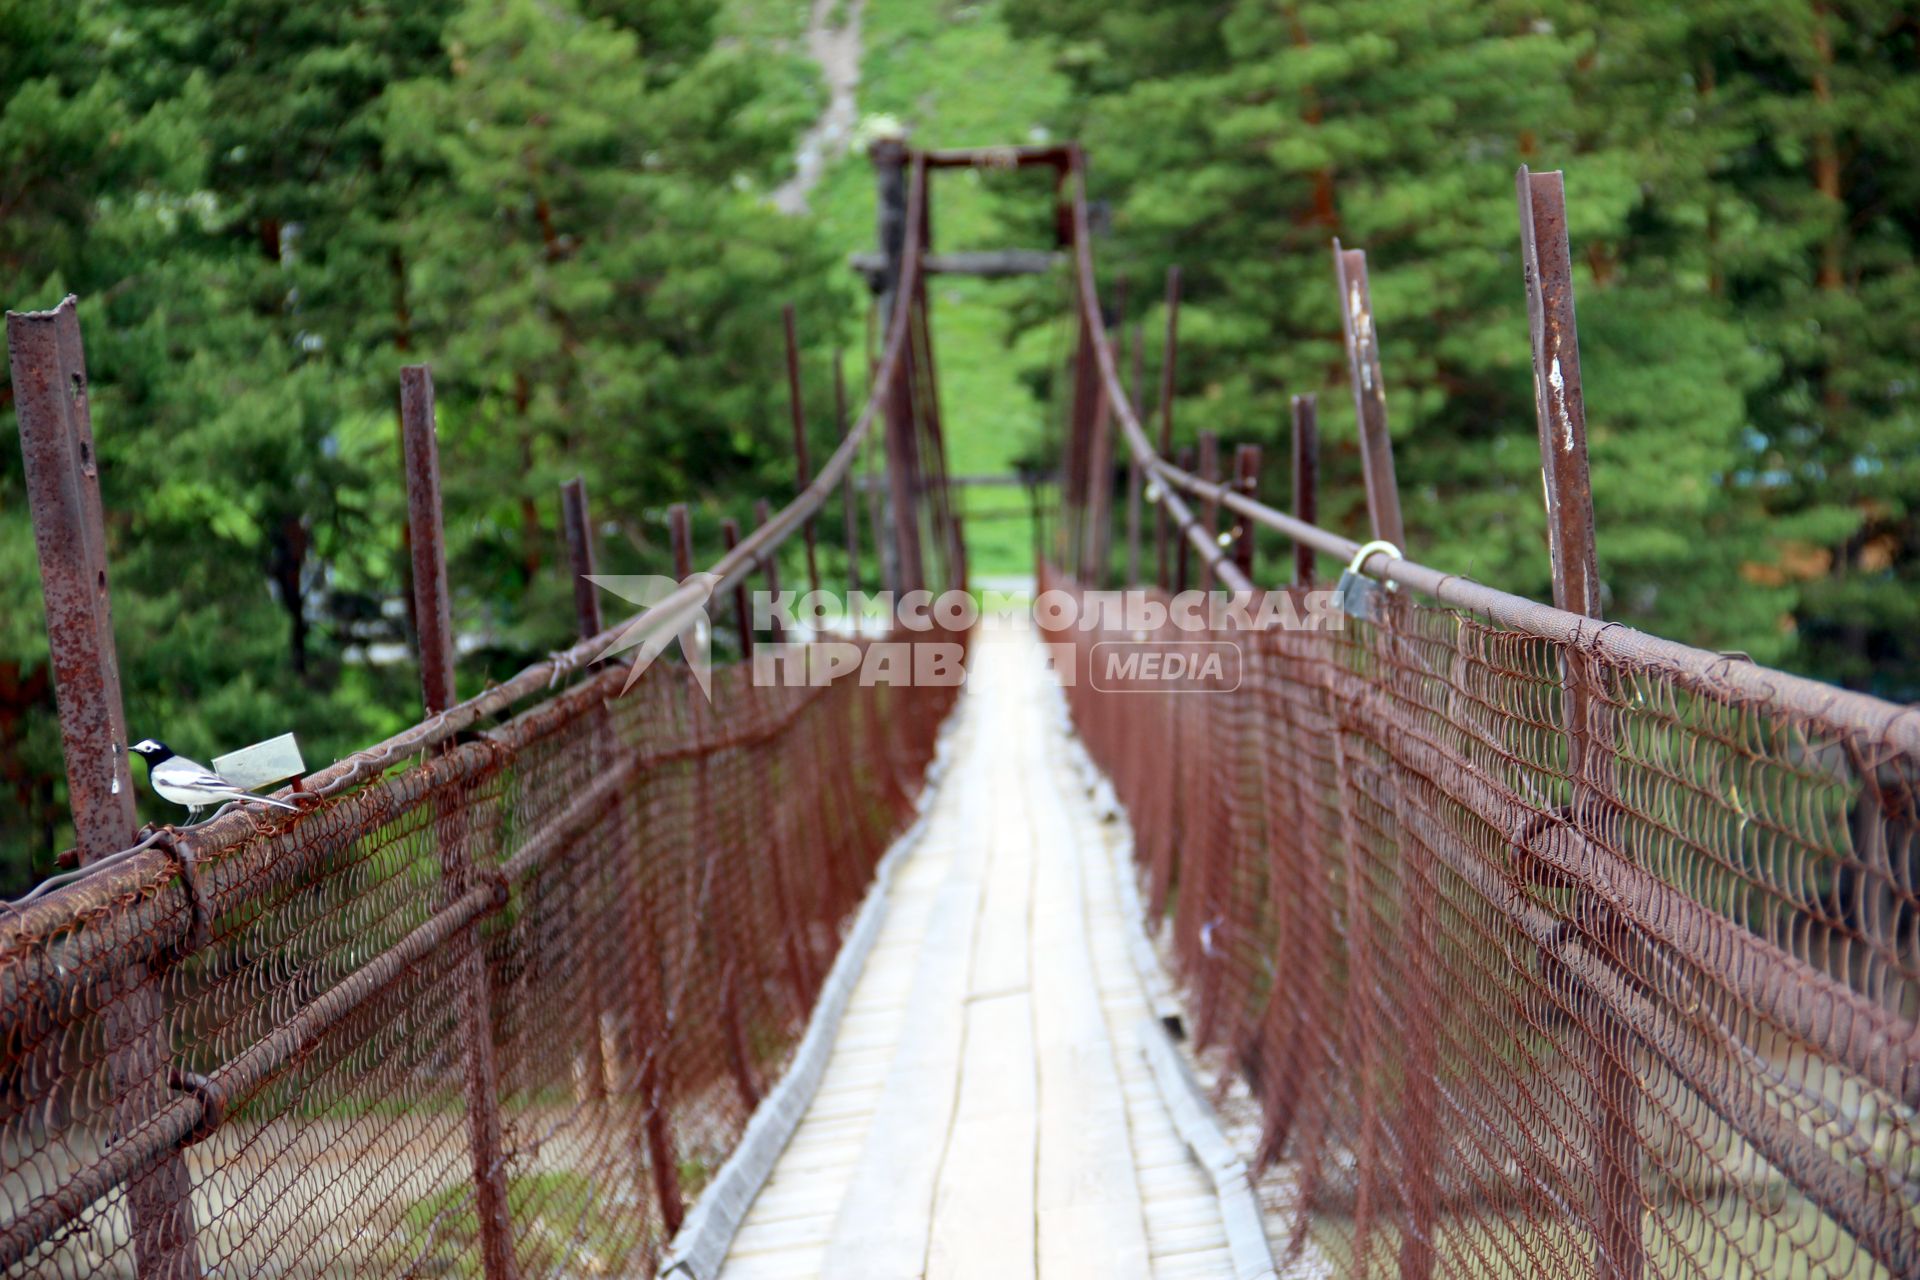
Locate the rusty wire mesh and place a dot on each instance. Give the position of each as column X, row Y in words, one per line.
column 642, row 893
column 1662, row 1022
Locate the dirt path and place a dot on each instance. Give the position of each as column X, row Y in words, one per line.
column 837, row 50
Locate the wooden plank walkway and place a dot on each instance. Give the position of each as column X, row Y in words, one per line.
column 986, row 1111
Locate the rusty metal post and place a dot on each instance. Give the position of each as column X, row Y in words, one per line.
column 1209, row 508
column 779, row 841
column 1135, row 397
column 433, row 608
column 1546, row 260
column 1100, row 488
column 802, row 459
column 1559, row 404
column 52, row 399
column 742, row 613
column 434, row 626
column 1369, row 394
column 1417, row 1106
column 1183, row 551
column 903, row 473
column 770, row 566
column 849, row 511
column 576, row 520
column 889, row 156
column 1077, row 482
column 652, row 1034
column 1246, row 475
column 1133, row 522
column 884, row 549
column 680, row 539
column 739, row 1057
column 1306, row 481
column 1169, row 350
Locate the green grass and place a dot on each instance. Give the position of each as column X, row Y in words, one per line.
column 562, row 1220
column 765, row 23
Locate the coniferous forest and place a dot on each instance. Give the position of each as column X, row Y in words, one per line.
column 267, row 206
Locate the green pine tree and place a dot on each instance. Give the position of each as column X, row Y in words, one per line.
column 1239, row 144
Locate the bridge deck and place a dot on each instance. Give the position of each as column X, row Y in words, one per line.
column 986, row 1111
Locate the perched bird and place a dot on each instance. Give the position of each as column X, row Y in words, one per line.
column 187, row 782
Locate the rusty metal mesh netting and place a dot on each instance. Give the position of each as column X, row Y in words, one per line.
column 1661, row 1022
column 584, row 943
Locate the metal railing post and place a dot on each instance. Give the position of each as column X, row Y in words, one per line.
column 903, row 473
column 1099, row 488
column 770, row 568
column 1416, row 1113
column 1077, row 483
column 1546, row 259
column 799, row 972
column 576, row 521
column 1209, row 507
column 433, row 614
column 1183, row 553
column 1136, row 398
column 1369, row 394
column 884, row 548
column 890, row 156
column 849, row 510
column 1246, row 474
column 1169, row 351
column 742, row 611
column 706, row 845
column 52, row 399
column 802, row 459
column 1306, row 481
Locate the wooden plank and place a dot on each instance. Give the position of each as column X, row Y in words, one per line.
column 983, row 1212
column 790, row 1225
column 1178, row 1203
column 1088, row 1202
column 1001, row 958
column 883, row 1225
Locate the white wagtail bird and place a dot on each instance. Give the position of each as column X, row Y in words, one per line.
column 187, row 782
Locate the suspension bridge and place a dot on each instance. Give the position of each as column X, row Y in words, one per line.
column 1449, row 933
